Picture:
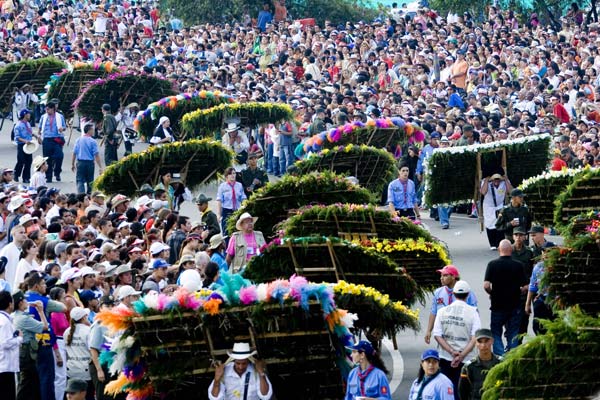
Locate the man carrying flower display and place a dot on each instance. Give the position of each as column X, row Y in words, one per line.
column 402, row 197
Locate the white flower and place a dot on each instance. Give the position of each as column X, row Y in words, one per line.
column 348, row 320
column 261, row 292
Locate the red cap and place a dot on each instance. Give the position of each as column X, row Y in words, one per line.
column 449, row 270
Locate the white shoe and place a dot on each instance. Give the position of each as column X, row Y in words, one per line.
column 493, row 248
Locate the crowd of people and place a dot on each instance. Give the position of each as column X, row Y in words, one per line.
column 65, row 257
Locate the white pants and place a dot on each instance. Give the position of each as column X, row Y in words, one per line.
column 60, row 378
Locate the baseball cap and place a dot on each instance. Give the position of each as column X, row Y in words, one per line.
column 461, row 287
column 483, row 333
column 519, row 230
column 536, row 229
column 517, row 193
column 88, row 295
column 435, row 135
column 430, row 353
column 78, row 313
column 157, row 247
column 364, row 347
column 69, row 274
column 160, row 263
column 127, row 290
column 108, row 299
column 449, row 270
column 87, row 271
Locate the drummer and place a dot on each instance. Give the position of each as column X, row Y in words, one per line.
column 25, row 146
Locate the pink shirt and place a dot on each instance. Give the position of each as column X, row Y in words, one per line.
column 251, row 249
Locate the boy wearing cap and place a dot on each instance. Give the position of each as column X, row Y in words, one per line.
column 444, row 295
column 475, row 370
column 454, row 330
column 23, row 135
column 209, row 218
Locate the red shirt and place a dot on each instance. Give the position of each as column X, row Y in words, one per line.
column 561, row 113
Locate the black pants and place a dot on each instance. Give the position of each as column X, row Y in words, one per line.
column 451, row 373
column 541, row 310
column 23, row 166
column 406, row 212
column 494, row 237
column 110, row 153
column 29, row 380
column 7, row 383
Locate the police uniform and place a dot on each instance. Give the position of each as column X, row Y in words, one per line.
column 508, row 214
column 472, row 376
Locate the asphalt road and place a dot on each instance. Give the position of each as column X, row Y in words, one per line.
column 468, row 247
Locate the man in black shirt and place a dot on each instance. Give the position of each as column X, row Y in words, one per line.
column 504, row 281
column 253, row 177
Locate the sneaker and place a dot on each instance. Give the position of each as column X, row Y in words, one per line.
column 445, row 226
column 493, row 248
column 58, row 179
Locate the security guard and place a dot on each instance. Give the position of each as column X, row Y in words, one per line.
column 474, row 371
column 515, row 214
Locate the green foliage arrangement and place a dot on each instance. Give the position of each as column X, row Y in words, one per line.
column 272, row 203
column 198, row 161
column 355, row 219
column 374, row 168
column 561, row 364
column 201, row 123
column 175, row 107
column 355, row 264
column 34, row 72
column 581, row 196
column 451, row 173
column 541, row 191
column 125, row 88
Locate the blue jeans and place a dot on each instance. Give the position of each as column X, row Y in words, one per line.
column 509, row 321
column 286, row 157
column 45, row 367
column 272, row 161
column 84, row 176
column 444, row 213
column 55, row 155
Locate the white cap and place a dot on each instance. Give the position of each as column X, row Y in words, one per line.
column 461, row 287
column 78, row 313
column 157, row 247
column 87, row 271
column 125, row 291
column 69, row 274
column 124, row 224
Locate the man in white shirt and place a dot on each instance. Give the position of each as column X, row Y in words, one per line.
column 12, row 252
column 10, row 342
column 241, row 377
column 454, row 330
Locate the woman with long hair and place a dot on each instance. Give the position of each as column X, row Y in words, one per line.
column 59, row 323
column 78, row 352
column 368, row 379
column 27, row 262
column 72, row 281
column 431, row 383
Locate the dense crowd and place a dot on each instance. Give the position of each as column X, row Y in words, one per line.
column 68, row 256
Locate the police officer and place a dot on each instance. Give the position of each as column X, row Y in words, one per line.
column 474, row 371
column 515, row 214
column 539, row 241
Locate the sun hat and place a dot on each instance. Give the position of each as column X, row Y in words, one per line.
column 106, row 247
column 232, row 127
column 123, row 269
column 215, row 241
column 241, row 351
column 449, row 270
column 78, row 313
column 26, row 218
column 496, row 176
column 119, row 199
column 186, row 258
column 244, row 216
column 203, row 199
column 38, row 161
column 127, row 290
column 31, row 147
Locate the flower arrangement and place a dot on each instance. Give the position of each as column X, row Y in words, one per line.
column 198, row 162
column 450, row 173
column 353, row 262
column 33, row 72
column 375, row 311
column 373, row 133
column 374, row 168
column 175, row 107
column 162, row 344
column 419, row 257
column 536, row 369
column 203, row 122
column 542, row 190
column 66, row 84
column 126, row 87
column 272, row 202
column 330, row 220
column 580, row 196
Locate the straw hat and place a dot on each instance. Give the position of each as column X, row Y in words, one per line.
column 244, row 216
column 241, row 351
column 31, row 147
column 38, row 161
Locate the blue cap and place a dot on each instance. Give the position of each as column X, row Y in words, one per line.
column 364, row 347
column 24, row 112
column 160, row 263
column 436, row 135
column 88, row 295
column 430, row 353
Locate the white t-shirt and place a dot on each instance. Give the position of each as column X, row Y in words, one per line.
column 456, row 323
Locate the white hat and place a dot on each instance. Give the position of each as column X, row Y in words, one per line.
column 163, row 119
column 38, row 161
column 127, row 290
column 190, row 280
column 157, row 247
column 124, row 224
column 26, row 218
column 461, row 287
column 16, row 202
column 232, row 127
column 241, row 351
column 78, row 313
column 69, row 274
column 244, row 216
column 31, row 147
column 87, row 270
column 143, row 201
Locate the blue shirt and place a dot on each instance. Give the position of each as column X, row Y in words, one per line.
column 23, row 131
column 376, row 385
column 425, row 154
column 219, row 259
column 85, row 148
column 225, row 195
column 264, row 18
column 444, row 296
column 49, row 125
column 440, row 388
column 47, row 337
column 536, row 277
column 402, row 195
